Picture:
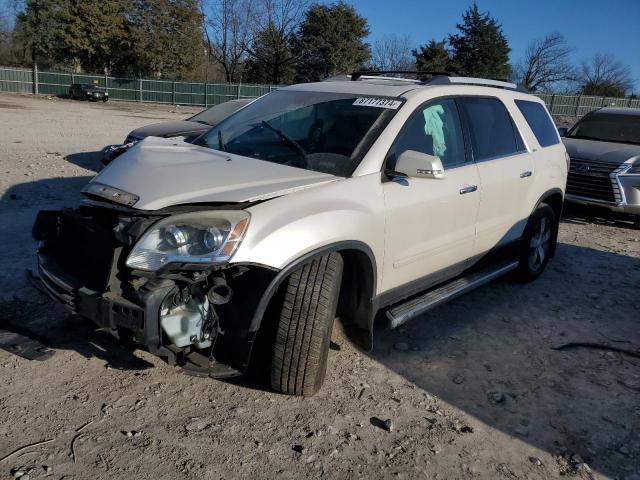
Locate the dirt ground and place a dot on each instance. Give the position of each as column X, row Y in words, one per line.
column 473, row 389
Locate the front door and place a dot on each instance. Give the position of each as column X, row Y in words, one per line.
column 430, row 223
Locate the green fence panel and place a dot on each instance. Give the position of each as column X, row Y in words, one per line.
column 156, row 91
column 126, row 89
column 16, row 80
column 189, row 93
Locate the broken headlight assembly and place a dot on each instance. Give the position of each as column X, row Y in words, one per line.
column 201, row 238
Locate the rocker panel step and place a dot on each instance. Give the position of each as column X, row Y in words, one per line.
column 410, row 309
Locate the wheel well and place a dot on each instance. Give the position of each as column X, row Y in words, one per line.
column 355, row 307
column 554, row 200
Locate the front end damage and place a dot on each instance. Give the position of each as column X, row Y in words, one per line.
column 198, row 316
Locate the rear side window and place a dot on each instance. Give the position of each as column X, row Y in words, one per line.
column 492, row 131
column 539, row 121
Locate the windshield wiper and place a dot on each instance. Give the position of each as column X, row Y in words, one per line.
column 287, row 139
column 220, row 142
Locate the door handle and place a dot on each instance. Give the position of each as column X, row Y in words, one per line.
column 526, row 174
column 469, row 189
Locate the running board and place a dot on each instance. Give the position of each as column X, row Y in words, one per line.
column 410, row 309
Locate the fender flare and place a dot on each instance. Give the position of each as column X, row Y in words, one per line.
column 282, row 275
column 546, row 195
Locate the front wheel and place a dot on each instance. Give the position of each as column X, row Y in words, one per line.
column 539, row 242
column 299, row 362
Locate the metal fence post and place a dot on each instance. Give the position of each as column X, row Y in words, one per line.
column 206, row 99
column 576, row 114
column 173, row 92
column 238, row 93
column 140, row 90
column 552, row 104
column 106, row 82
column 35, row 79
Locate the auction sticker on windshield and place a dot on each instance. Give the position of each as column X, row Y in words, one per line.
column 377, row 102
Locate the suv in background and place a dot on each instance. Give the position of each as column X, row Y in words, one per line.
column 604, row 147
column 84, row 91
column 186, row 130
column 338, row 198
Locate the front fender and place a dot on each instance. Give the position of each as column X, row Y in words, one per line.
column 287, row 228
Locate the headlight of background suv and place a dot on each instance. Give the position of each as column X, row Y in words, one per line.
column 199, row 237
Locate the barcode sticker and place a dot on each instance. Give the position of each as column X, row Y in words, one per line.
column 378, row 102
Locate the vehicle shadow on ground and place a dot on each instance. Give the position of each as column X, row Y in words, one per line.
column 581, row 214
column 491, row 355
column 88, row 160
column 45, row 192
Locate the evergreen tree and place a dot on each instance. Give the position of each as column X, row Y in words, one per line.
column 166, row 37
column 331, row 41
column 480, row 49
column 433, row 57
column 94, row 33
column 40, row 27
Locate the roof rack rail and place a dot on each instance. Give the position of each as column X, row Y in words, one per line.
column 486, row 82
column 436, row 78
column 380, row 73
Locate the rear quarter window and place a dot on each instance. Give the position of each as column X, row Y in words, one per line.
column 538, row 119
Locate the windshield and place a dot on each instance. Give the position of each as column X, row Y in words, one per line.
column 214, row 115
column 325, row 132
column 608, row 127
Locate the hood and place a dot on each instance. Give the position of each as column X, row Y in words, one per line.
column 165, row 173
column 610, row 152
column 170, row 129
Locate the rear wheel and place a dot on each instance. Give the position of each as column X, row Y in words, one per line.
column 303, row 334
column 539, row 241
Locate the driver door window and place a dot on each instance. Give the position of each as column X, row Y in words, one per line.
column 433, row 129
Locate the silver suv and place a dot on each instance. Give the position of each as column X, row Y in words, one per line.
column 604, row 147
column 338, row 198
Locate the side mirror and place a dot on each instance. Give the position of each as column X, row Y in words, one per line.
column 420, row 165
column 563, row 131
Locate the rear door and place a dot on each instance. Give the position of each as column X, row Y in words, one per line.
column 430, row 223
column 505, row 167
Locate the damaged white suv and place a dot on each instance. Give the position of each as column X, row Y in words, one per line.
column 316, row 201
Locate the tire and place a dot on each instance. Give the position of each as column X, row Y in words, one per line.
column 299, row 361
column 539, row 243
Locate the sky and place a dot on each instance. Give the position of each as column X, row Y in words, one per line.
column 590, row 26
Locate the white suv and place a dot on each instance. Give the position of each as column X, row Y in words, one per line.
column 319, row 200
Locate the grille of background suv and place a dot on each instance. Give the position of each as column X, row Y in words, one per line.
column 593, row 179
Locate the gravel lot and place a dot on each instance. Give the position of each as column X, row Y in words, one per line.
column 473, row 389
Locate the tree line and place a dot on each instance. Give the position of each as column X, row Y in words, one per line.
column 278, row 42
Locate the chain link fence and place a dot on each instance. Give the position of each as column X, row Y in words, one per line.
column 207, row 94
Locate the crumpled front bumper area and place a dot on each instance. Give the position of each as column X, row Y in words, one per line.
column 78, row 263
column 81, row 264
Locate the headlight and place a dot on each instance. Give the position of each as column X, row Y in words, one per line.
column 200, row 237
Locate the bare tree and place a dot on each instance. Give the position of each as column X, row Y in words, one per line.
column 273, row 33
column 546, row 64
column 228, row 26
column 605, row 75
column 392, row 52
